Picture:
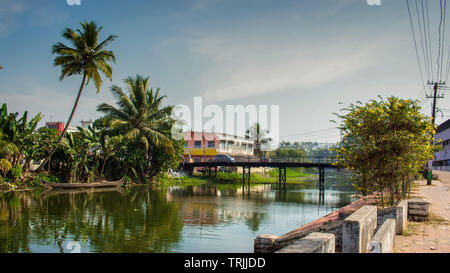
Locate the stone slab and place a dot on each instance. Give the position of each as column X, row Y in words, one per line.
column 315, row 242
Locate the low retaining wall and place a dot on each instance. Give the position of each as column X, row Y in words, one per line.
column 399, row 213
column 315, row 242
column 383, row 240
column 331, row 223
column 358, row 229
column 355, row 228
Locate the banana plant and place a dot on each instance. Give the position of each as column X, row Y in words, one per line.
column 20, row 132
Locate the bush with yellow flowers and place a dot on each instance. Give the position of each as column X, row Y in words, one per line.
column 385, row 144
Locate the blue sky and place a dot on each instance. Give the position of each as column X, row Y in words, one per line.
column 306, row 56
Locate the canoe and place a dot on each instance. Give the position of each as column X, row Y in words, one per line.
column 98, row 184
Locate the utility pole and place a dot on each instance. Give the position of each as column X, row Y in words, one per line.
column 433, row 119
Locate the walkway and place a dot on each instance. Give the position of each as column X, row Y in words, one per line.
column 434, row 235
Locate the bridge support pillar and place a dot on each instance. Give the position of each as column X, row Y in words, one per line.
column 321, row 179
column 282, row 175
column 246, row 175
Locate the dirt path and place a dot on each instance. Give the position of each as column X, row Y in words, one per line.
column 433, row 235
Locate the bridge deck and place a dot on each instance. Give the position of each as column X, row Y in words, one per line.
column 273, row 162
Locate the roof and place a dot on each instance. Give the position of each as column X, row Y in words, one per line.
column 443, row 126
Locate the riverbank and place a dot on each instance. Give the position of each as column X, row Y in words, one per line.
column 431, row 236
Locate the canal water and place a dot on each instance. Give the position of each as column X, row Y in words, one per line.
column 205, row 218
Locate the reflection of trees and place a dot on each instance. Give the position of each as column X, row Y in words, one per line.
column 14, row 228
column 255, row 220
column 141, row 221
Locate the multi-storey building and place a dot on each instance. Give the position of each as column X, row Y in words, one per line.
column 204, row 146
column 442, row 158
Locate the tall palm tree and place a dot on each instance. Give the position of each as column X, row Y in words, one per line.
column 86, row 56
column 139, row 116
column 259, row 136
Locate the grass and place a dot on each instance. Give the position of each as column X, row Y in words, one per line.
column 291, row 172
column 234, row 178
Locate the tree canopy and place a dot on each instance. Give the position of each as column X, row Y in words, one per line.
column 385, row 143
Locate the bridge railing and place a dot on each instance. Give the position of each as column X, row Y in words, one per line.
column 323, row 160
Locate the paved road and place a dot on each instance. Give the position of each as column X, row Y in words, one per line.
column 433, row 235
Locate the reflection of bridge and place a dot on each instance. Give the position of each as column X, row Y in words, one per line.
column 280, row 162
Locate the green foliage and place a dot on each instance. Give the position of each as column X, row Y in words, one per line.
column 145, row 126
column 289, row 152
column 259, row 135
column 17, row 135
column 290, row 172
column 85, row 54
column 5, row 166
column 36, row 182
column 15, row 173
column 385, row 143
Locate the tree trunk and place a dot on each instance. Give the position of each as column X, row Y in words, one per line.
column 68, row 122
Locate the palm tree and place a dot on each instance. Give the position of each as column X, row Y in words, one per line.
column 84, row 56
column 259, row 135
column 139, row 116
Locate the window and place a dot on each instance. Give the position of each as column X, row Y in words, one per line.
column 185, row 145
column 211, row 144
column 197, row 144
column 222, row 145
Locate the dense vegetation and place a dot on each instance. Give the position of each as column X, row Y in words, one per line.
column 385, row 144
column 132, row 139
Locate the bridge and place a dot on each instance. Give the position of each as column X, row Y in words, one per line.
column 279, row 162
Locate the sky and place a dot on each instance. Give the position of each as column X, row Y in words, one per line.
column 311, row 58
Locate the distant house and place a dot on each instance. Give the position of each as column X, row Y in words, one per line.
column 441, row 159
column 59, row 125
column 204, row 146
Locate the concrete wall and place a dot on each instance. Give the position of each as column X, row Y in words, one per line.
column 383, row 240
column 401, row 218
column 315, row 242
column 357, row 230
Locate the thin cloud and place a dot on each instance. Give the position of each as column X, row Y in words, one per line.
column 255, row 68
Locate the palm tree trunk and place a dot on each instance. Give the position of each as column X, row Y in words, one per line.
column 68, row 122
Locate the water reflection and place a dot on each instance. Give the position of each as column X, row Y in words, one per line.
column 207, row 218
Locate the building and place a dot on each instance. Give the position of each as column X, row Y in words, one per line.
column 86, row 123
column 204, row 146
column 441, row 159
column 58, row 125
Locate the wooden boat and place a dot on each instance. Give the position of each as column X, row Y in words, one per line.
column 52, row 192
column 97, row 184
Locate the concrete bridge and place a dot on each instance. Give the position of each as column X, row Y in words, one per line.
column 280, row 162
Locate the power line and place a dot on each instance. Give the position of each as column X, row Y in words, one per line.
column 415, row 43
column 425, row 59
column 429, row 39
column 311, row 132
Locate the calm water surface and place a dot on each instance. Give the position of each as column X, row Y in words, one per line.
column 205, row 218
